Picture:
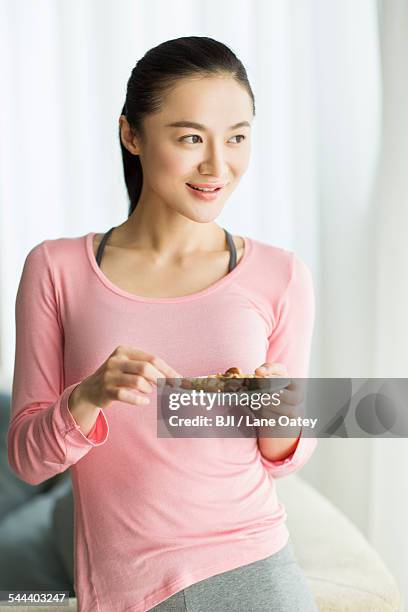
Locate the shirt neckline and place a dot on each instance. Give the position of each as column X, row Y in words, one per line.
column 166, row 300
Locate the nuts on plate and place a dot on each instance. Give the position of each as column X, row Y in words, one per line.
column 232, row 379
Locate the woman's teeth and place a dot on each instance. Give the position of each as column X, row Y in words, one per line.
column 203, row 188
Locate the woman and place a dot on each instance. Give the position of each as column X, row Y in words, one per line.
column 178, row 523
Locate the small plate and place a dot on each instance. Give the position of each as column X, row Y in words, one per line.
column 271, row 384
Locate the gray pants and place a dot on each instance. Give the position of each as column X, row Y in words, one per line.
column 274, row 584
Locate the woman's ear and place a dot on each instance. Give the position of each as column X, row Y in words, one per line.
column 127, row 136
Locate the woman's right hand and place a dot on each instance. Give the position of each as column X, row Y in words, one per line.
column 126, row 376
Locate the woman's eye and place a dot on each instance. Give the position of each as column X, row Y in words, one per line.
column 197, row 136
column 191, row 136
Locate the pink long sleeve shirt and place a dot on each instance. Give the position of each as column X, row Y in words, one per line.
column 154, row 515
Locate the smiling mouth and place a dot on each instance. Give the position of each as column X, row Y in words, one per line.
column 204, row 190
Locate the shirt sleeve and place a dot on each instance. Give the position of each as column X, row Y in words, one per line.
column 43, row 438
column 290, row 344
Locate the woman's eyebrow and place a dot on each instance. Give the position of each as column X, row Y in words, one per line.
column 199, row 126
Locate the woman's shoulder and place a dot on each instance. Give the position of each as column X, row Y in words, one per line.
column 281, row 265
column 52, row 251
column 266, row 248
column 49, row 262
column 271, row 256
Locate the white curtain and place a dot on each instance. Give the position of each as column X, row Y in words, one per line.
column 326, row 180
column 389, row 483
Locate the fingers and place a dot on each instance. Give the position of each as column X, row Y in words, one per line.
column 134, row 381
column 291, row 403
column 163, row 368
column 271, row 369
column 151, row 370
column 292, row 397
column 129, row 395
column 159, row 365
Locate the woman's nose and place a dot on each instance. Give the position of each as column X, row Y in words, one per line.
column 214, row 163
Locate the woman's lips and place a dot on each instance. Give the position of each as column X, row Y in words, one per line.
column 204, row 195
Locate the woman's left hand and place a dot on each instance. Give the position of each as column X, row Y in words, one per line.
column 291, row 397
column 272, row 369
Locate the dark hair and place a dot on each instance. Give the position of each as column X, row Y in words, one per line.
column 155, row 74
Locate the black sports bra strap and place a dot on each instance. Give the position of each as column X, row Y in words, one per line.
column 230, row 241
column 233, row 251
column 101, row 246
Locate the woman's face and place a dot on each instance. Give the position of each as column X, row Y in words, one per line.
column 172, row 156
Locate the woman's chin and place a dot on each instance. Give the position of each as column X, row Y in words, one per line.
column 207, row 209
column 202, row 217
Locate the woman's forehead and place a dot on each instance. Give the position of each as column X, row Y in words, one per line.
column 207, row 103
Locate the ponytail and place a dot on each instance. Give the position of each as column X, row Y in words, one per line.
column 132, row 171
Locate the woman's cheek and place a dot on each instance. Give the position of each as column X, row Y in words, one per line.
column 171, row 159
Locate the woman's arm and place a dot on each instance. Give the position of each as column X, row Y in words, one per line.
column 43, row 438
column 290, row 344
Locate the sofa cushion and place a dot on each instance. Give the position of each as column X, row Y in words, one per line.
column 62, row 526
column 343, row 569
column 30, row 559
